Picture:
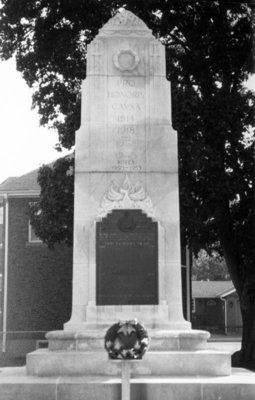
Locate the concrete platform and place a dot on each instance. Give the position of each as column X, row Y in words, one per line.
column 16, row 385
column 44, row 362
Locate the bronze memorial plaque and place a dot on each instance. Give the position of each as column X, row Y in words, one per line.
column 127, row 259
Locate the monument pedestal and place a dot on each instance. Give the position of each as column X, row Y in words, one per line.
column 171, row 353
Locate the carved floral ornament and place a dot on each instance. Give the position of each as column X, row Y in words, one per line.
column 127, row 23
column 126, row 196
column 125, row 18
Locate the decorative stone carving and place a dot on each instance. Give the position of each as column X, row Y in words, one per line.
column 126, row 196
column 125, row 23
column 125, row 19
column 126, row 60
column 97, row 56
column 155, row 57
column 94, row 59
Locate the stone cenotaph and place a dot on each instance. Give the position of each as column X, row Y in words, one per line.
column 126, row 216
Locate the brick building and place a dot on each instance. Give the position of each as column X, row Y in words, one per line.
column 36, row 281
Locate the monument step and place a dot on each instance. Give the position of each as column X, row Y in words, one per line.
column 160, row 339
column 44, row 362
column 15, row 384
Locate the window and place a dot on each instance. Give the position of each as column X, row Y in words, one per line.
column 32, row 237
column 1, row 224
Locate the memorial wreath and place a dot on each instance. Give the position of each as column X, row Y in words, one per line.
column 126, row 340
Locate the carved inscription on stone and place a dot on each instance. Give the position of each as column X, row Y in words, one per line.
column 125, row 101
column 126, row 109
column 126, row 258
column 126, row 149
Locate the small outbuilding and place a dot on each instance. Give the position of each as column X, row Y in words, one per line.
column 216, row 307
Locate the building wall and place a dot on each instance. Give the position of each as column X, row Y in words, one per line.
column 1, row 284
column 1, row 261
column 209, row 314
column 234, row 318
column 39, row 281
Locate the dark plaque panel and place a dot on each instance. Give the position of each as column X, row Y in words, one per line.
column 127, row 259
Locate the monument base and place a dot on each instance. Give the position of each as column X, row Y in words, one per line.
column 171, row 353
column 160, row 340
column 165, row 363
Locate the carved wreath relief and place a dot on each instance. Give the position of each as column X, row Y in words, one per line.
column 126, row 60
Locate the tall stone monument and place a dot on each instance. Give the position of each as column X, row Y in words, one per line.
column 126, row 168
column 126, row 215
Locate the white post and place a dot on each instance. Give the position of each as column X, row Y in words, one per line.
column 188, row 282
column 225, row 315
column 5, row 286
column 125, row 384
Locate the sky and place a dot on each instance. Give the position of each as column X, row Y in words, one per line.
column 24, row 144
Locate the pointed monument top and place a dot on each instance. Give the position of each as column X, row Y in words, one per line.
column 125, row 22
column 126, row 19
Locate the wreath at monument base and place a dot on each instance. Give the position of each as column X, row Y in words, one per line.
column 126, row 340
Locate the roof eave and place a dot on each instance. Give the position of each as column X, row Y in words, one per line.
column 20, row 193
column 226, row 292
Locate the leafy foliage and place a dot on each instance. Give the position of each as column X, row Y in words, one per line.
column 52, row 215
column 209, row 267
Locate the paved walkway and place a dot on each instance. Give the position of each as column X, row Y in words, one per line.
column 16, row 385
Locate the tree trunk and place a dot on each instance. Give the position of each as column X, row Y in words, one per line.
column 243, row 278
column 245, row 358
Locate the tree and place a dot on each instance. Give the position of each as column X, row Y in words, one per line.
column 52, row 216
column 209, row 268
column 213, row 116
column 209, row 56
